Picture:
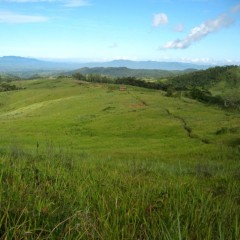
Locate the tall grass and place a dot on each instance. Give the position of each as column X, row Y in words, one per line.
column 57, row 195
column 91, row 162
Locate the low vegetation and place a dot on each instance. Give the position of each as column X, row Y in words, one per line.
column 55, row 195
column 4, row 87
column 84, row 160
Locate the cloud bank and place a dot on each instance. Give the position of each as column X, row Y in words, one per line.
column 77, row 3
column 26, row 1
column 10, row 17
column 235, row 9
column 67, row 3
column 201, row 31
column 160, row 19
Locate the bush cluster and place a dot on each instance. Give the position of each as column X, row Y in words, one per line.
column 4, row 87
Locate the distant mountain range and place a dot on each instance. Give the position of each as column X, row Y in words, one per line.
column 170, row 66
column 20, row 64
column 127, row 72
column 15, row 64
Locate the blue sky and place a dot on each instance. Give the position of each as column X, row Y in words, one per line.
column 100, row 30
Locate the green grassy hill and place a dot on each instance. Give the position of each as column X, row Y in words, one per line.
column 219, row 80
column 219, row 85
column 81, row 160
column 209, row 77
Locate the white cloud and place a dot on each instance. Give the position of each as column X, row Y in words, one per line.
column 67, row 3
column 77, row 3
column 179, row 28
column 160, row 19
column 26, row 1
column 203, row 60
column 200, row 32
column 235, row 9
column 10, row 17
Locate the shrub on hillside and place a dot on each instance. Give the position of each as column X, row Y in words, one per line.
column 7, row 87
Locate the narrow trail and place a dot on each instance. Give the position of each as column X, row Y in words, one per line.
column 187, row 129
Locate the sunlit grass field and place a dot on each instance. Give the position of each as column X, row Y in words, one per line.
column 88, row 161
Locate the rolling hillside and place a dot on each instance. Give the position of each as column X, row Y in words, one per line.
column 50, row 100
column 230, row 75
column 83, row 160
column 219, row 84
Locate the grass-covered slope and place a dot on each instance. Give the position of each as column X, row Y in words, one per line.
column 87, row 161
column 210, row 77
column 222, row 81
column 218, row 85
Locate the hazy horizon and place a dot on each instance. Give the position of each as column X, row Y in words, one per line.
column 82, row 61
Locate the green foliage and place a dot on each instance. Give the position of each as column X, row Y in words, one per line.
column 87, row 161
column 141, row 83
column 218, row 85
column 170, row 91
column 133, row 81
column 197, row 85
column 61, row 196
column 95, row 78
column 4, row 87
column 79, row 76
column 7, row 77
column 204, row 95
column 207, row 78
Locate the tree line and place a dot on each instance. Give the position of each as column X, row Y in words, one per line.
column 133, row 81
column 195, row 85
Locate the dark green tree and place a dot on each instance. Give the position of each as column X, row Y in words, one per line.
column 79, row 76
